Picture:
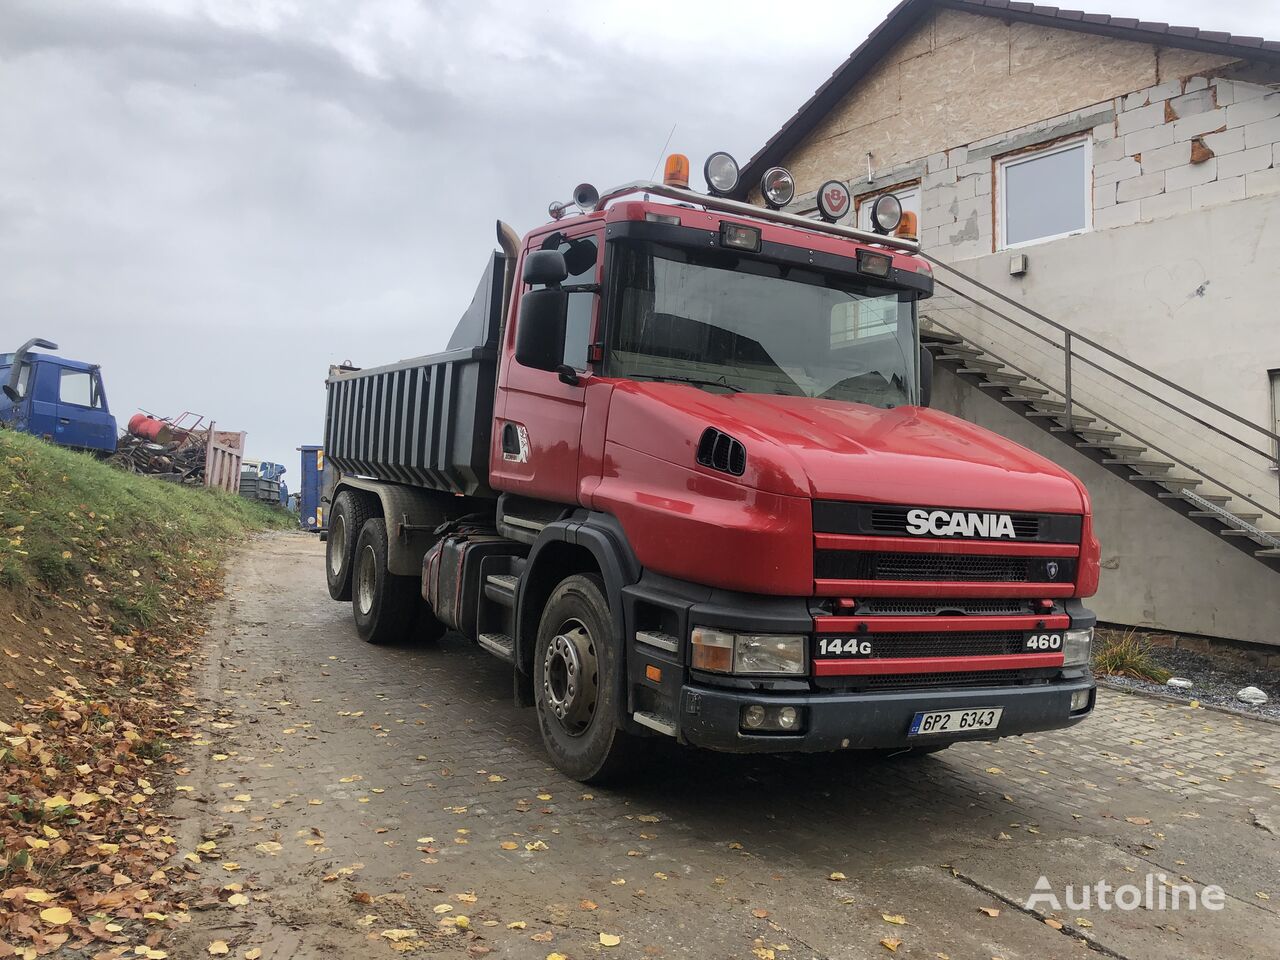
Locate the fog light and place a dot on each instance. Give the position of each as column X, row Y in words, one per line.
column 753, row 717
column 778, row 187
column 1079, row 700
column 1076, row 647
column 788, row 718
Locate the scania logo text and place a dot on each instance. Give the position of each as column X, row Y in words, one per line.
column 946, row 523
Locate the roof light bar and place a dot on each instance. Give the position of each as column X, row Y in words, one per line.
column 740, row 209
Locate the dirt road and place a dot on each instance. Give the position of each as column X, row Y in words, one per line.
column 359, row 796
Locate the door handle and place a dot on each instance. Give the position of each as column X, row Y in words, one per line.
column 66, row 421
column 510, row 439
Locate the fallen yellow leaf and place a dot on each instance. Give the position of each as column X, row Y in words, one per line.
column 891, row 944
column 894, row 918
column 58, row 915
column 989, row 911
column 219, row 947
column 609, row 940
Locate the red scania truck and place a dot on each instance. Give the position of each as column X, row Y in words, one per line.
column 678, row 468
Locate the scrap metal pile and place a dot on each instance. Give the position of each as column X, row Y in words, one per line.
column 173, row 449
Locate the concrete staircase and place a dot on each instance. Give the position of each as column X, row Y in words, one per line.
column 1076, row 390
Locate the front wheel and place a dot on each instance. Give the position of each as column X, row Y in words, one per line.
column 577, row 666
column 384, row 605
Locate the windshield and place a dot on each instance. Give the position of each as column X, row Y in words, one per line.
column 721, row 321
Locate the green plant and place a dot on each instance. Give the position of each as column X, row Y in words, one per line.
column 1126, row 654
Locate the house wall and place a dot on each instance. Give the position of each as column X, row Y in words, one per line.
column 1177, row 271
column 961, row 77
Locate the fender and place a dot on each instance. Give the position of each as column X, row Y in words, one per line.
column 412, row 515
column 602, row 535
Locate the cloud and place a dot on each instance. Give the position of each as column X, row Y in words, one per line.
column 215, row 199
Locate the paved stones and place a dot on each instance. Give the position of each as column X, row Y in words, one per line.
column 356, row 755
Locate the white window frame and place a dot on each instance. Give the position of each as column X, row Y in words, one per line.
column 910, row 188
column 1002, row 192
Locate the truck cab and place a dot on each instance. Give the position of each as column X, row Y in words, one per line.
column 59, row 399
column 714, row 504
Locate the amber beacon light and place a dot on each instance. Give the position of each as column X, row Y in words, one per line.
column 676, row 172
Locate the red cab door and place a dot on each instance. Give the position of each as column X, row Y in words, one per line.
column 537, row 416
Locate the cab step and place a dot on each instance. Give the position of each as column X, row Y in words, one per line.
column 499, row 644
column 501, row 588
column 1269, row 552
column 654, row 722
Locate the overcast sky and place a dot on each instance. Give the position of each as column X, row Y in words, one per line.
column 215, row 199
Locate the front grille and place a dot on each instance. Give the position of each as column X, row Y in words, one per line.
column 977, row 643
column 866, row 565
column 934, row 681
column 929, row 607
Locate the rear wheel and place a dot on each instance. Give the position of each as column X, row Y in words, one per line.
column 577, row 666
column 385, row 606
column 345, row 523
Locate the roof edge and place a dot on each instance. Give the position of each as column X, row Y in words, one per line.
column 909, row 13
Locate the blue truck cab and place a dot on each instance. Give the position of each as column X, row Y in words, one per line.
column 58, row 399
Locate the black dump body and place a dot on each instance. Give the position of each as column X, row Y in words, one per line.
column 425, row 422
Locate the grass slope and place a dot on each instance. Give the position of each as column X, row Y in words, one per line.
column 102, row 577
column 86, row 548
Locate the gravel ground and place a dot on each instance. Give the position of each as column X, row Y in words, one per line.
column 1215, row 681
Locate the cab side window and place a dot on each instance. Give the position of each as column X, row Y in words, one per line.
column 79, row 388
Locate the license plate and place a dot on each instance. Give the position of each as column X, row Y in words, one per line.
column 955, row 721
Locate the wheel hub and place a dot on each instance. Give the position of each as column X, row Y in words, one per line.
column 337, row 543
column 570, row 677
column 366, row 577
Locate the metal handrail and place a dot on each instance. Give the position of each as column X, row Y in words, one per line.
column 1106, row 418
column 1071, row 335
column 1092, row 343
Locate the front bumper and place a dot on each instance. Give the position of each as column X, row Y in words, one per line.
column 709, row 716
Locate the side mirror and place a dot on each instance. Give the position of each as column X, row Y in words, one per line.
column 541, row 327
column 926, row 376
column 545, row 268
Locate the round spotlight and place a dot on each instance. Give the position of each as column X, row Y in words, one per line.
column 788, row 717
column 778, row 187
column 886, row 213
column 753, row 717
column 834, row 200
column 721, row 173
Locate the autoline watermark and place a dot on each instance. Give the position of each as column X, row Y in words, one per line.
column 1156, row 893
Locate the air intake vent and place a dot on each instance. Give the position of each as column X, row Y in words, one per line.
column 719, row 451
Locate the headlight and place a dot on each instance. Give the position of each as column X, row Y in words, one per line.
column 1076, row 647
column 748, row 653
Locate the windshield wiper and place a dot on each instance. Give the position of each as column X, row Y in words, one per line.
column 697, row 381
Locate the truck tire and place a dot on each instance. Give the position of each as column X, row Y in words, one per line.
column 385, row 606
column 577, row 660
column 345, row 523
